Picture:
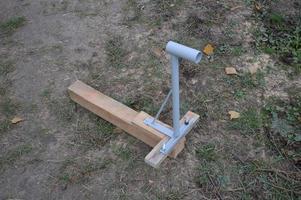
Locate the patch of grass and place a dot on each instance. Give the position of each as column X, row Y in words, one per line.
column 125, row 153
column 212, row 175
column 11, row 25
column 272, row 183
column 5, row 84
column 249, row 122
column 237, row 51
column 115, row 52
column 165, row 9
column 94, row 133
column 132, row 6
column 63, row 109
column 280, row 36
column 239, row 94
column 13, row 155
column 153, row 67
column 193, row 25
column 55, row 7
column 200, row 105
column 276, row 19
column 8, row 107
column 207, row 152
column 46, row 93
column 74, row 173
column 284, row 117
column 104, row 128
column 246, row 81
column 6, row 68
column 171, row 195
column 4, row 125
column 226, row 49
column 142, row 102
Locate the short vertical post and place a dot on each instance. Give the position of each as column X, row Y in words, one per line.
column 175, row 95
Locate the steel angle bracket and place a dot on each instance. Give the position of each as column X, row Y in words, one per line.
column 169, row 145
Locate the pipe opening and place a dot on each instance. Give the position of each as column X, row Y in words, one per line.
column 198, row 58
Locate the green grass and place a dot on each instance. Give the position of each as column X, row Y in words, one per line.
column 4, row 126
column 242, row 178
column 63, row 109
column 280, row 36
column 6, row 67
column 115, row 52
column 125, row 153
column 72, row 172
column 142, row 102
column 170, row 195
column 10, row 26
column 249, row 122
column 246, row 81
column 165, row 10
column 133, row 5
column 193, row 25
column 268, row 181
column 276, row 18
column 213, row 174
column 46, row 93
column 283, row 117
column 8, row 107
column 94, row 132
column 207, row 152
column 14, row 155
column 5, row 84
column 228, row 50
column 104, row 128
column 239, row 94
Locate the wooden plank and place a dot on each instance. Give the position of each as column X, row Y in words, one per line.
column 139, row 122
column 155, row 157
column 114, row 112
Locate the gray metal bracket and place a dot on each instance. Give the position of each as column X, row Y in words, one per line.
column 168, row 146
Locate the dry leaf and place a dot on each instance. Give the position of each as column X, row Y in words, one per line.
column 234, row 114
column 236, row 7
column 208, row 50
column 157, row 52
column 16, row 120
column 230, row 70
column 257, row 6
column 253, row 69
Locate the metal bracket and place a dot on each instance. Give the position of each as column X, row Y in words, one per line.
column 169, row 145
column 159, row 127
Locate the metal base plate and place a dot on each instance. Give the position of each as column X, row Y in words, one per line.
column 158, row 126
column 169, row 145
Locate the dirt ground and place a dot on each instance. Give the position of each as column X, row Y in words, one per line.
column 62, row 151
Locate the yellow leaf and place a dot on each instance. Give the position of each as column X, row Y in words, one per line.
column 234, row 114
column 208, row 50
column 230, row 70
column 16, row 120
